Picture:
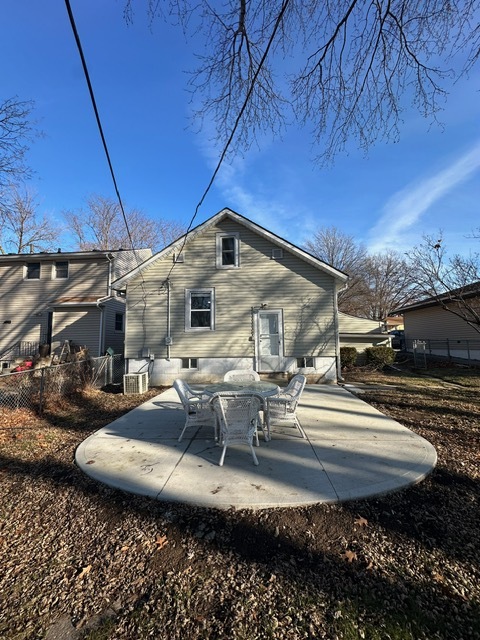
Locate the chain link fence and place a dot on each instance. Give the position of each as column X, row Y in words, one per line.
column 30, row 389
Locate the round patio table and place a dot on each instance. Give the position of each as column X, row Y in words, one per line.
column 261, row 387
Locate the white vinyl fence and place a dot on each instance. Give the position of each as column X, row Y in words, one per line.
column 30, row 388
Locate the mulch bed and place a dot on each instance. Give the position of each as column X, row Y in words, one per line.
column 81, row 560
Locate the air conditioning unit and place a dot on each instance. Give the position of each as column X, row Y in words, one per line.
column 135, row 383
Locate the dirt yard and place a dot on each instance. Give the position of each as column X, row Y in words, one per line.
column 80, row 560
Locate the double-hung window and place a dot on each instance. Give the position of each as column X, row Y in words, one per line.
column 33, row 271
column 60, row 269
column 200, row 309
column 228, row 250
column 119, row 317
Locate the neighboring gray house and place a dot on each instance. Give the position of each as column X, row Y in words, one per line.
column 361, row 333
column 431, row 327
column 53, row 297
column 231, row 294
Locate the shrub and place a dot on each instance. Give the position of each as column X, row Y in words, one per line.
column 379, row 357
column 348, row 356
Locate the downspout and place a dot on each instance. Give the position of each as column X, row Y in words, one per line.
column 101, row 337
column 168, row 340
column 337, row 332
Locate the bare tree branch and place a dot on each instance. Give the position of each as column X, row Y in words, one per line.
column 16, row 130
column 22, row 229
column 101, row 226
column 345, row 68
column 453, row 282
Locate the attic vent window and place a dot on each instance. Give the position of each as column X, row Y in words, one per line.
column 228, row 250
column 277, row 254
column 179, row 257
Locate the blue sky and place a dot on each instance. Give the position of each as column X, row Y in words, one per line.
column 427, row 181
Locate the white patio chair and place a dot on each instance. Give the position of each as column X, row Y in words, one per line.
column 282, row 408
column 196, row 406
column 241, row 375
column 237, row 416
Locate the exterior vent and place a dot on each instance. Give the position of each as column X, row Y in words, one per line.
column 277, row 254
column 178, row 257
column 135, row 383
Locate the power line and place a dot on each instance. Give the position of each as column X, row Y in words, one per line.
column 236, row 124
column 97, row 116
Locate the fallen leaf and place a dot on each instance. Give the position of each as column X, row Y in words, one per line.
column 438, row 577
column 161, row 541
column 350, row 555
column 85, row 571
column 361, row 522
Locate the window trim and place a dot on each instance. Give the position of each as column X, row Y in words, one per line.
column 236, row 249
column 54, row 270
column 188, row 309
column 192, row 363
column 304, row 364
column 122, row 316
column 27, row 265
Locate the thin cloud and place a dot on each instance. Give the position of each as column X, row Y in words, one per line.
column 406, row 207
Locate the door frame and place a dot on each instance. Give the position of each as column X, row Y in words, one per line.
column 280, row 364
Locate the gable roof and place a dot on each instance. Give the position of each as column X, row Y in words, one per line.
column 178, row 245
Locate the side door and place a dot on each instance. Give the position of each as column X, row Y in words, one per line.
column 269, row 341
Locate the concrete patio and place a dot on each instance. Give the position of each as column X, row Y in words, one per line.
column 352, row 451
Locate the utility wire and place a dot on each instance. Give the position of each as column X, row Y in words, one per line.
column 226, row 146
column 236, row 124
column 97, row 116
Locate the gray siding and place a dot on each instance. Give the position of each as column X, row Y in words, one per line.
column 114, row 339
column 434, row 323
column 80, row 325
column 305, row 294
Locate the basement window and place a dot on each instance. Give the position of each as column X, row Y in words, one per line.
column 306, row 362
column 189, row 363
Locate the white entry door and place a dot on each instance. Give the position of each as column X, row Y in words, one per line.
column 269, row 330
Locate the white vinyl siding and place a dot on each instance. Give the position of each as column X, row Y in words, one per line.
column 304, row 293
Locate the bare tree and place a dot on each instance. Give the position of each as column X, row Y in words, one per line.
column 341, row 251
column 347, row 68
column 454, row 282
column 102, row 226
column 390, row 281
column 16, row 131
column 22, row 228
